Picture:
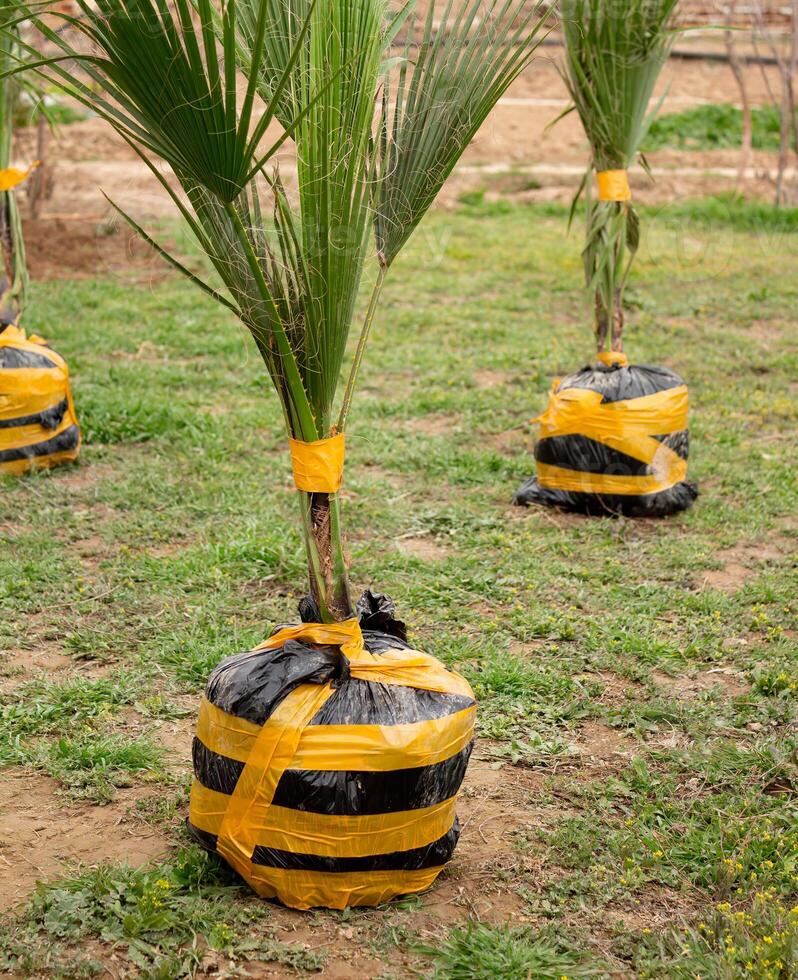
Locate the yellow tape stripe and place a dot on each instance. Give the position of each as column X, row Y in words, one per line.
column 21, row 466
column 557, row 478
column 579, row 411
column 249, row 810
column 207, row 807
column 308, row 889
column 613, row 185
column 369, row 748
column 612, row 358
column 21, row 436
column 225, row 734
column 408, row 668
column 16, row 405
column 376, row 748
column 323, row 834
column 34, row 381
column 10, row 177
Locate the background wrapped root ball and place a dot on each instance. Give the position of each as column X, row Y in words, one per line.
column 325, row 788
column 38, row 425
column 614, row 440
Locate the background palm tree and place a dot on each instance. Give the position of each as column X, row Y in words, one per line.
column 614, row 54
column 613, row 440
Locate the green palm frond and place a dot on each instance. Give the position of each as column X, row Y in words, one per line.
column 446, row 87
column 159, row 77
column 285, row 21
column 614, row 54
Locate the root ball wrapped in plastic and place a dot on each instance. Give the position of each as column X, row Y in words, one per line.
column 614, row 439
column 38, row 425
column 328, row 762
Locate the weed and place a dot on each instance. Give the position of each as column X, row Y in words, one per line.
column 163, row 919
column 482, row 952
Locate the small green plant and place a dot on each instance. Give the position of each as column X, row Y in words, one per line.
column 757, row 940
column 40, row 707
column 94, row 765
column 162, row 919
column 515, row 694
column 482, row 952
column 86, row 761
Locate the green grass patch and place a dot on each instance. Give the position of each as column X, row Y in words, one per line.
column 164, row 919
column 482, row 952
column 718, row 126
column 757, row 940
column 93, row 766
column 44, row 707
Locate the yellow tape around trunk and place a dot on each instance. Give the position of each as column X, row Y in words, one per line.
column 613, row 185
column 11, row 177
column 318, row 466
column 613, row 357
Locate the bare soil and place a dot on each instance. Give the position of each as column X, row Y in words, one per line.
column 41, row 836
column 424, row 547
column 741, row 563
column 77, row 247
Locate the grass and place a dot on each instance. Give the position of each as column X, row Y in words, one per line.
column 638, row 702
column 93, row 766
column 480, row 952
column 154, row 917
column 713, row 127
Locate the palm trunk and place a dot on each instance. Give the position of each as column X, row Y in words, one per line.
column 609, row 323
column 329, row 580
column 617, row 322
column 602, row 325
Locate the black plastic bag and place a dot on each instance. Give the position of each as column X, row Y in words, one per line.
column 326, row 773
column 614, row 440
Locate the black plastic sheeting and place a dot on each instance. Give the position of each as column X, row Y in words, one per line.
column 585, row 455
column 251, row 686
